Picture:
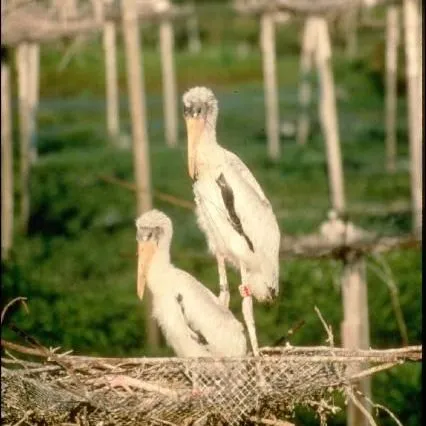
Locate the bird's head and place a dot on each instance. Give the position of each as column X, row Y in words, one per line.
column 200, row 110
column 153, row 232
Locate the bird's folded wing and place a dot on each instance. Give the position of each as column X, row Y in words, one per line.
column 235, row 162
column 194, row 330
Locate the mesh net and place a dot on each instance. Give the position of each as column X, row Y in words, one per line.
column 184, row 391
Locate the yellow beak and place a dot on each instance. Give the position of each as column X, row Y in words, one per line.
column 146, row 250
column 194, row 129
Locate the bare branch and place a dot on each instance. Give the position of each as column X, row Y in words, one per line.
column 13, row 301
column 327, row 327
column 364, row 411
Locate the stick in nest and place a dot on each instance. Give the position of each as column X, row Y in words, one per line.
column 355, row 400
column 13, row 301
column 327, row 327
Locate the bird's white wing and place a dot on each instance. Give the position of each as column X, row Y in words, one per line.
column 211, row 325
column 235, row 162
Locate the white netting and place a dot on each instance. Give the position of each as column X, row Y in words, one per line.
column 186, row 391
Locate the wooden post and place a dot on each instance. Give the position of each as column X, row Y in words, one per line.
column 24, row 132
column 351, row 29
column 111, row 80
column 6, row 163
column 305, row 87
column 328, row 115
column 194, row 42
column 392, row 38
column 355, row 330
column 33, row 95
column 420, row 32
column 267, row 42
column 412, row 41
column 141, row 162
column 170, row 105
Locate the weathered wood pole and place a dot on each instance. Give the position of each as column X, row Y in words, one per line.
column 328, row 115
column 351, row 31
column 6, row 163
column 355, row 329
column 420, row 31
column 194, row 42
column 305, row 85
column 111, row 79
column 141, row 163
column 24, row 133
column 420, row 7
column 170, row 105
column 267, row 42
column 33, row 95
column 413, row 69
column 392, row 39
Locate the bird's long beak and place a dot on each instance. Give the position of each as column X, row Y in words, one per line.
column 194, row 128
column 146, row 250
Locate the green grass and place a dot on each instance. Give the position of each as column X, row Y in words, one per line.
column 77, row 264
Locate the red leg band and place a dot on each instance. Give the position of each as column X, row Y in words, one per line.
column 244, row 291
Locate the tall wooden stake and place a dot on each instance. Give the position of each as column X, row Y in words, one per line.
column 6, row 163
column 351, row 30
column 392, row 38
column 267, row 41
column 328, row 115
column 141, row 161
column 170, row 106
column 111, row 80
column 355, row 329
column 413, row 67
column 305, row 87
column 194, row 42
column 24, row 132
column 33, row 95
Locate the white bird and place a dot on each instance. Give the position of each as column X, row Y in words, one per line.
column 231, row 208
column 193, row 321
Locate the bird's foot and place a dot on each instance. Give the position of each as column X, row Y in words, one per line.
column 244, row 290
column 196, row 393
column 124, row 382
column 224, row 298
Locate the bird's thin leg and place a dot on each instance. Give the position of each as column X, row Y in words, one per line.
column 247, row 308
column 223, row 281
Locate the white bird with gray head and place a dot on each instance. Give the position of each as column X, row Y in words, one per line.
column 193, row 321
column 231, row 208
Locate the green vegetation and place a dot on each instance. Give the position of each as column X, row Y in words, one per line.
column 77, row 264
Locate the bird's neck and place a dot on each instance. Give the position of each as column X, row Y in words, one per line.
column 158, row 265
column 209, row 152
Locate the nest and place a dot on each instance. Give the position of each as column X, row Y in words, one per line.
column 184, row 391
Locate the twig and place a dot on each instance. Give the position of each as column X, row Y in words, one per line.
column 327, row 327
column 416, row 350
column 386, row 410
column 270, row 422
column 13, row 301
column 290, row 333
column 387, row 278
column 22, row 349
column 160, row 195
column 26, row 415
column 373, row 370
column 363, row 410
column 126, row 381
column 164, row 422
